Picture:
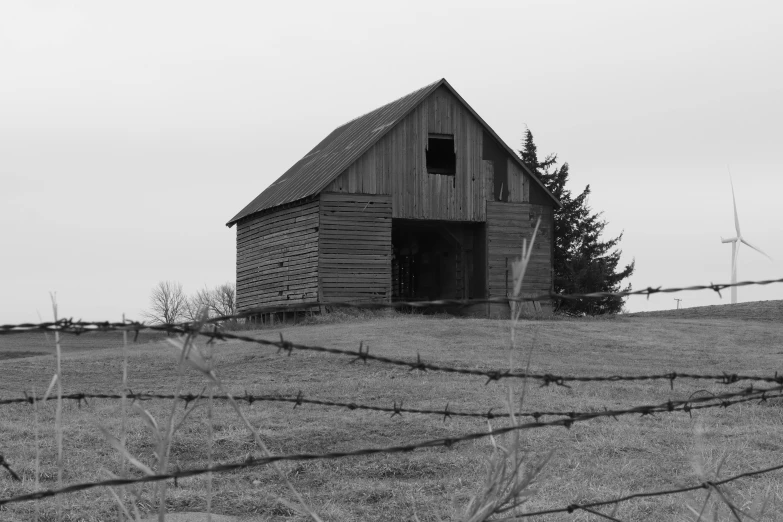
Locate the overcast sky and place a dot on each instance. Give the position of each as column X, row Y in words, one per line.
column 130, row 133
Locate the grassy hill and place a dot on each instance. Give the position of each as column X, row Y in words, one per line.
column 753, row 311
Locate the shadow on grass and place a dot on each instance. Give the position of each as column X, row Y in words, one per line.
column 19, row 355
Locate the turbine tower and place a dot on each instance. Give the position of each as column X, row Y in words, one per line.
column 736, row 245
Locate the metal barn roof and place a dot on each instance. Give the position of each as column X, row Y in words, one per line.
column 343, row 146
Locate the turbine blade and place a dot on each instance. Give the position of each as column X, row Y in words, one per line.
column 757, row 249
column 734, row 200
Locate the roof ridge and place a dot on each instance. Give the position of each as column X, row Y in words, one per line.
column 428, row 86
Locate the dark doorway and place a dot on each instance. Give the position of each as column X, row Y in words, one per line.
column 438, row 260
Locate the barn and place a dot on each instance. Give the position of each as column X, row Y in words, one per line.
column 418, row 199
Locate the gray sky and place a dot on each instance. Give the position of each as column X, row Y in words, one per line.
column 130, row 133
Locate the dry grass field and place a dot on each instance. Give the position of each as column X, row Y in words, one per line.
column 593, row 460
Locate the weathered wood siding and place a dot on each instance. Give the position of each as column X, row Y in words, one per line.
column 507, row 225
column 277, row 257
column 355, row 247
column 397, row 166
column 518, row 183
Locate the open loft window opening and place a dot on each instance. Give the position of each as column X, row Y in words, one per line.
column 441, row 158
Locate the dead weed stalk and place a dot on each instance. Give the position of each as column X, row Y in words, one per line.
column 512, row 471
column 720, row 501
column 193, row 356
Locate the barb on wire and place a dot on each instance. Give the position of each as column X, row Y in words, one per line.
column 283, row 345
column 670, row 406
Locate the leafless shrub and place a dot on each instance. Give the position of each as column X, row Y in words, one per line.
column 224, row 299
column 168, row 303
column 219, row 301
column 196, row 304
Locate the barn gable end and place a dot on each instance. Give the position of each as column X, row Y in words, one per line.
column 396, row 165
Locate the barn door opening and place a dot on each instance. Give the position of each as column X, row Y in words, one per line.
column 438, row 260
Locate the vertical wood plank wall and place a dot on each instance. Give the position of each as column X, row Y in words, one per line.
column 277, row 258
column 507, row 225
column 518, row 183
column 397, row 166
column 355, row 247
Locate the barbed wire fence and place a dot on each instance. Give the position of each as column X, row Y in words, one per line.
column 77, row 327
column 748, row 394
column 363, row 354
column 210, row 330
column 716, row 401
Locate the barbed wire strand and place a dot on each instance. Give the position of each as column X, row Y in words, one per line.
column 492, row 300
column 567, row 509
column 363, row 354
column 686, row 489
column 598, row 513
column 396, row 409
column 4, row 464
column 24, row 327
column 670, row 406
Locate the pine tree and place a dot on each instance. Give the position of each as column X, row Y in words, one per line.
column 583, row 261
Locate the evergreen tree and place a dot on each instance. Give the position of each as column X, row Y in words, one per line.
column 583, row 261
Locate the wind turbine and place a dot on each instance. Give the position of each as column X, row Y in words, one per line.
column 736, row 245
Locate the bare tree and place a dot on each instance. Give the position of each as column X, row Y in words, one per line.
column 224, row 299
column 195, row 304
column 167, row 303
column 219, row 301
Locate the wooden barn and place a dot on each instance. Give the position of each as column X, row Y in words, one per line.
column 418, row 199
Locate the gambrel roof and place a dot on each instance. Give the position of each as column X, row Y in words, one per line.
column 344, row 145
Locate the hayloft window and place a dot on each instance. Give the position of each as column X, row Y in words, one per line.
column 441, row 158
